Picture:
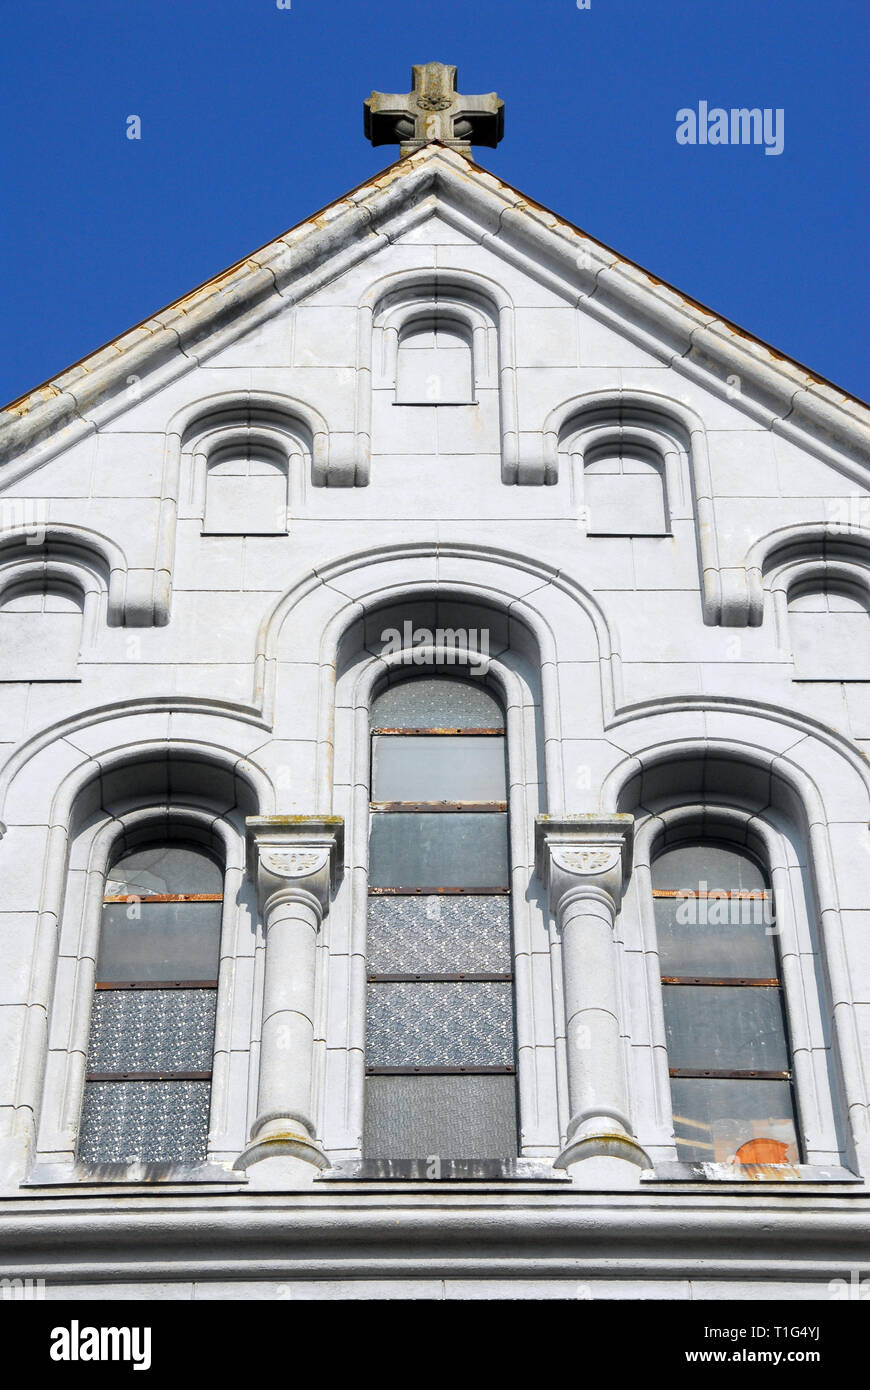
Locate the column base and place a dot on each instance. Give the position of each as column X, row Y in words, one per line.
column 282, row 1148
column 604, row 1156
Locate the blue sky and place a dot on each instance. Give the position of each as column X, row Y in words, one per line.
column 252, row 118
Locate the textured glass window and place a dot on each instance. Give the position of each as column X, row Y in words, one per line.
column 148, row 1083
column 145, row 1122
column 426, row 767
column 725, row 1018
column 152, row 1030
column 439, row 934
column 444, row 1116
column 429, row 1024
column 440, row 982
column 411, row 849
column 438, row 702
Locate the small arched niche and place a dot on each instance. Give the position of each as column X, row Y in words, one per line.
column 246, row 489
column 435, row 362
column 829, row 626
column 40, row 631
column 624, row 491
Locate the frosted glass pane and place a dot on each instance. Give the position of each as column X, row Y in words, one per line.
column 693, row 866
column 459, row 1024
column 437, row 702
column 444, row 932
column 438, row 769
column 723, row 1121
column 439, row 850
column 716, row 937
column 152, row 1030
column 725, row 1029
column 159, row 941
column 447, row 1116
column 149, row 1121
column 164, row 869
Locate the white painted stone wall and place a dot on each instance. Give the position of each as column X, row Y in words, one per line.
column 648, row 674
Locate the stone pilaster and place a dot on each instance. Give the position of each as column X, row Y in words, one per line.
column 295, row 862
column 584, row 862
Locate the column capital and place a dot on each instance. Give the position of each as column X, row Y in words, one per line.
column 301, row 853
column 589, row 855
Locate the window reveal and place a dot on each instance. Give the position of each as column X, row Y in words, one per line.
column 148, row 1082
column 440, row 1050
column 725, row 1021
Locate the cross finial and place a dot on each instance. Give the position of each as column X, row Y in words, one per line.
column 434, row 110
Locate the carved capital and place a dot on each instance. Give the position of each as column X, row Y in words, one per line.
column 303, row 853
column 584, row 855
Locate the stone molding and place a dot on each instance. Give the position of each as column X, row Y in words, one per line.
column 797, row 404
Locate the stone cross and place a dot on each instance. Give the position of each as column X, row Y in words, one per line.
column 434, row 110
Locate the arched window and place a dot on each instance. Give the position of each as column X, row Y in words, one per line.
column 725, row 1019
column 40, row 632
column 148, row 1086
column 624, row 493
column 829, row 626
column 440, row 1053
column 246, row 491
column 435, row 363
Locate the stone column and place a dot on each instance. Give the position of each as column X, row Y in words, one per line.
column 295, row 862
column 583, row 862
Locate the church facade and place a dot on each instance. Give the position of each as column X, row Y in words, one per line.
column 434, row 782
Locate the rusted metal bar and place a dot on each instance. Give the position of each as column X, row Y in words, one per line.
column 452, row 733
column 720, row 893
column 156, row 984
column 440, row 978
column 692, row 1073
column 167, row 898
column 148, row 1076
column 432, row 892
column 441, row 1071
column 719, row 980
column 438, row 807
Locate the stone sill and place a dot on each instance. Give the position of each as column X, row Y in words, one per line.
column 133, row 1174
column 756, row 1173
column 449, row 1170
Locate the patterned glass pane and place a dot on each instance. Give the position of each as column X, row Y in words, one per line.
column 704, row 867
column 164, row 869
column 447, row 1116
column 422, row 1024
column 148, row 1121
column 439, row 850
column 152, row 1030
column 437, row 702
column 716, row 937
column 159, row 941
column 725, row 1028
column 447, row 933
column 438, row 768
column 724, row 1121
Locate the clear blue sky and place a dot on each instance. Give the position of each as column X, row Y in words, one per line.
column 252, row 118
